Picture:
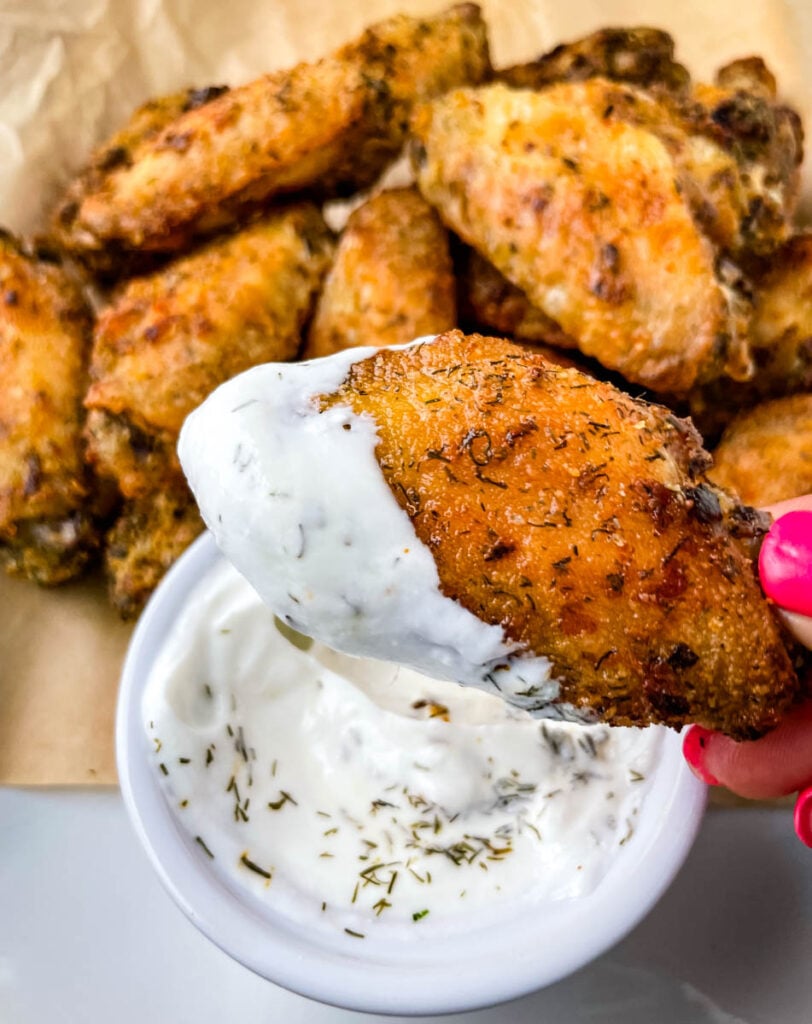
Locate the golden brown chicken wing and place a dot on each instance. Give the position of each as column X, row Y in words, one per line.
column 172, row 337
column 765, row 455
column 392, row 278
column 150, row 533
column 581, row 522
column 45, row 527
column 579, row 204
column 740, row 148
column 333, row 125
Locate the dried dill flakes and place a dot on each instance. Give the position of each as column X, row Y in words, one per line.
column 298, row 640
column 203, row 846
column 635, row 776
column 284, row 798
column 418, row 915
column 248, row 863
column 355, row 935
column 164, row 769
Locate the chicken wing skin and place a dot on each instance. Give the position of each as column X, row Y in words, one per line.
column 46, row 530
column 581, row 207
column 149, row 535
column 581, row 522
column 765, row 455
column 392, row 279
column 171, row 337
column 490, row 300
column 333, row 125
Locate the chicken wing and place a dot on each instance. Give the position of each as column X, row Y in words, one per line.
column 46, row 531
column 392, row 278
column 740, row 148
column 332, row 125
column 172, row 337
column 765, row 455
column 581, row 522
column 579, row 204
column 149, row 534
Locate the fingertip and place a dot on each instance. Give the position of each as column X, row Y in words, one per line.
column 785, row 562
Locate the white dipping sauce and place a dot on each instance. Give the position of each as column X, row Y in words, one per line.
column 335, row 790
column 298, row 503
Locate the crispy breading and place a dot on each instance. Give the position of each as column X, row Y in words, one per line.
column 581, row 522
column 571, row 196
column 740, row 148
column 780, row 340
column 149, row 534
column 765, row 455
column 391, row 280
column 45, row 524
column 332, row 125
column 170, row 338
column 490, row 300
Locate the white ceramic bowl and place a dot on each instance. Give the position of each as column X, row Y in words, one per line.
column 435, row 975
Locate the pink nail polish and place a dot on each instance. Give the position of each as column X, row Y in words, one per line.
column 694, row 747
column 803, row 816
column 785, row 562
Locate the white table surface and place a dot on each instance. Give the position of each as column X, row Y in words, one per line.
column 88, row 936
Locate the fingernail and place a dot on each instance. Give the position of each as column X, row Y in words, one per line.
column 803, row 816
column 694, row 748
column 785, row 562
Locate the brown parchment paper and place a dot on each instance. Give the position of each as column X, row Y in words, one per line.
column 70, row 72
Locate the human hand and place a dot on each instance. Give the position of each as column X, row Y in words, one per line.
column 780, row 762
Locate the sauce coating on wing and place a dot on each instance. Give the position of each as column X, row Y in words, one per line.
column 580, row 521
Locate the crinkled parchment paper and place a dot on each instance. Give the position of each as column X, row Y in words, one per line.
column 70, row 72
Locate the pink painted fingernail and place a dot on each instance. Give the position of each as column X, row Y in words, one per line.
column 803, row 816
column 785, row 562
column 694, row 748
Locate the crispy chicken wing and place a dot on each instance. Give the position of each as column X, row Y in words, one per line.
column 170, row 338
column 46, row 531
column 765, row 455
column 581, row 522
column 577, row 202
column 332, row 125
column 740, row 148
column 392, row 278
column 149, row 534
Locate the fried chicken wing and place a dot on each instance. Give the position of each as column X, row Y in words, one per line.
column 46, row 530
column 741, row 149
column 578, row 203
column 170, row 338
column 392, row 278
column 581, row 522
column 149, row 534
column 765, row 455
column 332, row 125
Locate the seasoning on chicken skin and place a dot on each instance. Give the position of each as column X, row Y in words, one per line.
column 581, row 522
column 391, row 280
column 331, row 125
column 46, row 530
column 172, row 337
column 579, row 204
column 765, row 455
column 146, row 538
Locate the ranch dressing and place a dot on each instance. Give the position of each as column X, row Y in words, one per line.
column 363, row 797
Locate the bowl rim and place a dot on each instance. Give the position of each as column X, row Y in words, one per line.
column 375, row 978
